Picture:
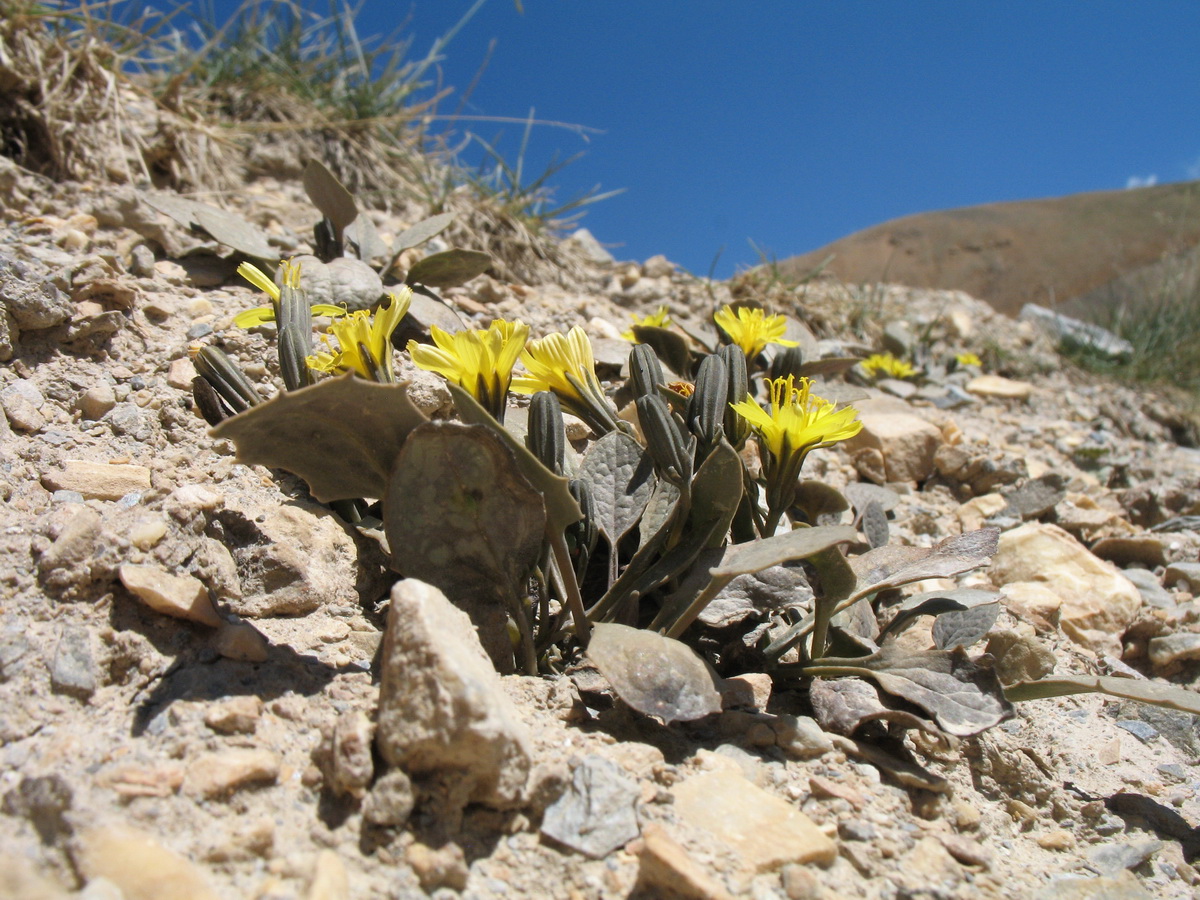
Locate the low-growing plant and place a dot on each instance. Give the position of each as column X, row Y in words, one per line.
column 629, row 557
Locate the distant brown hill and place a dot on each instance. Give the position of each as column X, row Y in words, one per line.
column 1063, row 251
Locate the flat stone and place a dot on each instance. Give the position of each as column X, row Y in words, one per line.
column 1110, row 859
column 665, row 867
column 217, row 774
column 181, row 596
column 442, row 706
column 181, row 373
column 762, row 830
column 597, row 813
column 1098, row 602
column 142, row 867
column 1171, row 648
column 1143, row 731
column 98, row 481
column 997, row 387
column 1146, row 549
column 74, row 668
column 1186, row 573
column 1124, row 887
column 1073, row 331
column 1153, row 593
column 801, row 737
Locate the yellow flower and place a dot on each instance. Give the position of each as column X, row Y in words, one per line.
column 291, row 277
column 798, row 421
column 885, row 364
column 660, row 318
column 365, row 341
column 479, row 361
column 752, row 329
column 967, row 359
column 563, row 363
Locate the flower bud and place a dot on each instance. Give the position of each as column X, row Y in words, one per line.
column 547, row 437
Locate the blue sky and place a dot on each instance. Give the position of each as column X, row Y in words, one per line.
column 791, row 124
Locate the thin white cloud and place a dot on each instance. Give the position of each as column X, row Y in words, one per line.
column 1137, row 181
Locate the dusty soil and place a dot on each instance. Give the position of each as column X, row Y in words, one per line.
column 216, row 746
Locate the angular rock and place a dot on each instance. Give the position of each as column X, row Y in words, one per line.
column 293, row 559
column 140, row 866
column 762, row 830
column 74, row 669
column 181, row 596
column 597, row 813
column 237, row 715
column 1019, row 656
column 1174, row 648
column 241, row 641
column 1183, row 573
column 1153, row 593
column 98, row 481
column 33, row 302
column 217, row 774
column 1098, row 602
column 908, row 443
column 442, row 708
column 70, row 562
column 664, row 867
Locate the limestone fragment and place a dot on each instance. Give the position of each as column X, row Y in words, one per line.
column 1000, row 388
column 98, row 481
column 908, row 443
column 140, row 866
column 181, row 596
column 664, row 865
column 217, row 774
column 597, row 813
column 442, row 708
column 1098, row 602
column 764, row 831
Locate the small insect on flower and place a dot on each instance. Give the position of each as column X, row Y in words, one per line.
column 878, row 364
column 660, row 318
column 752, row 329
column 259, row 315
column 478, row 361
column 364, row 341
column 564, row 365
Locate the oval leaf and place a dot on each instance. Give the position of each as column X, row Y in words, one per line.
column 655, row 675
column 621, row 475
column 342, row 436
column 329, row 196
column 234, row 231
column 449, row 269
column 889, row 567
column 459, row 514
column 421, row 232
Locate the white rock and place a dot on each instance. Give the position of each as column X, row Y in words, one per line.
column 442, row 707
column 1098, row 602
column 998, row 387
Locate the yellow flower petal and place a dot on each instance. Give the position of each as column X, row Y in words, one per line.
column 886, row 364
column 752, row 329
column 259, row 279
column 252, row 318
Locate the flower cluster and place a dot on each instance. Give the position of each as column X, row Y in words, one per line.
column 878, row 364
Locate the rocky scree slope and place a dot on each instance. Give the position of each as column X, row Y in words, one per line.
column 155, row 745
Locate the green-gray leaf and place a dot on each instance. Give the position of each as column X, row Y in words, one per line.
column 449, row 268
column 621, row 475
column 800, row 543
column 234, row 231
column 459, row 514
column 421, row 232
column 655, row 675
column 329, row 196
column 889, row 567
column 937, row 603
column 561, row 508
column 1153, row 692
column 964, row 698
column 342, row 436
